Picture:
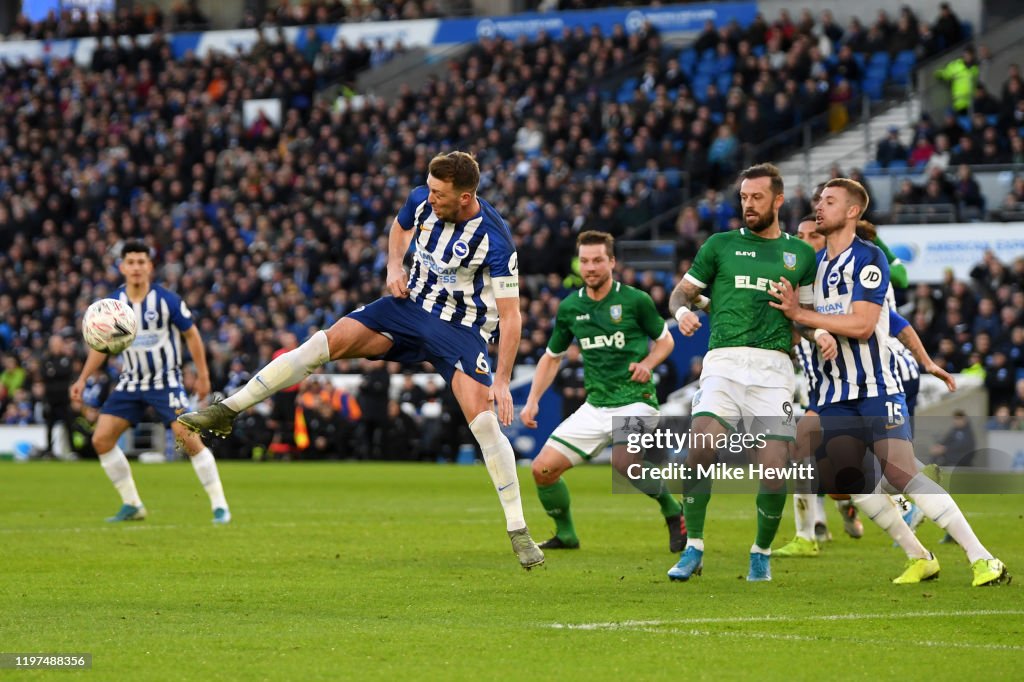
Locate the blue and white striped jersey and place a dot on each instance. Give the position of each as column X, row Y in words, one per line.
column 460, row 269
column 905, row 362
column 807, row 355
column 154, row 360
column 864, row 369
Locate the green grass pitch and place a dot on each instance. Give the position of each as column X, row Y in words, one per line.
column 375, row 571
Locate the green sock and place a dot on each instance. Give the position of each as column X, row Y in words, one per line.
column 696, row 496
column 555, row 500
column 655, row 489
column 769, row 516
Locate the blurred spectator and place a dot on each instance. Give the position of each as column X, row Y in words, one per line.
column 400, row 440
column 57, row 374
column 956, row 448
column 373, row 396
column 891, row 149
column 947, row 26
column 569, row 382
column 962, row 74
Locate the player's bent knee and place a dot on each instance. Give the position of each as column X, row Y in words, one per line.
column 548, row 467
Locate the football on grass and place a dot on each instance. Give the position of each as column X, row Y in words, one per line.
column 109, row 326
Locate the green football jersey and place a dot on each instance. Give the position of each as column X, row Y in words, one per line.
column 612, row 332
column 734, row 269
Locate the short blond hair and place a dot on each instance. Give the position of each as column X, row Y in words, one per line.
column 858, row 195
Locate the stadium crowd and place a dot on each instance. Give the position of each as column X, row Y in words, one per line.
column 267, row 229
column 944, row 155
column 133, row 19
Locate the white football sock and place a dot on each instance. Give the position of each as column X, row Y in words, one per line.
column 804, row 513
column 938, row 506
column 283, row 371
column 882, row 510
column 206, row 469
column 696, row 543
column 754, row 549
column 819, row 510
column 501, row 465
column 115, row 464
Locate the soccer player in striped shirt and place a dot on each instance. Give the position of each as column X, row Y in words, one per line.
column 151, row 376
column 861, row 396
column 464, row 278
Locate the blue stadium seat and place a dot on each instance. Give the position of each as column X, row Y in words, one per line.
column 708, row 69
column 872, row 167
column 898, row 166
column 708, row 55
column 879, row 59
column 758, row 50
column 965, row 122
column 906, row 57
column 700, row 85
column 724, row 82
column 873, row 88
column 876, row 72
column 688, row 60
column 725, row 64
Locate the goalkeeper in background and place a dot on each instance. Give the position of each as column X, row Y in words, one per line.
column 614, row 324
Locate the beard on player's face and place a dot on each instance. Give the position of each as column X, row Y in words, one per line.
column 596, row 280
column 758, row 222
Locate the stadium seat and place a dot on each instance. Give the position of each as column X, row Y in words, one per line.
column 688, row 60
column 879, row 59
column 724, row 64
column 873, row 88
column 709, row 69
column 872, row 167
column 724, row 82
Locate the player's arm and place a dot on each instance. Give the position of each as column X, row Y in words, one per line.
column 819, row 337
column 662, row 348
column 399, row 239
column 195, row 346
column 508, row 344
column 547, row 370
column 685, row 297
column 93, row 362
column 908, row 336
column 859, row 323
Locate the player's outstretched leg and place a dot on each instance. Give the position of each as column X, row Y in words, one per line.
column 283, row 371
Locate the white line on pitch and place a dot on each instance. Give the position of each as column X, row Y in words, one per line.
column 811, row 638
column 637, row 624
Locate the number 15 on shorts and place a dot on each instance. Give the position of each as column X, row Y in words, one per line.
column 894, row 414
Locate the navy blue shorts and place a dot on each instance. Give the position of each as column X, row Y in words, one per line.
column 420, row 336
column 867, row 419
column 131, row 405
